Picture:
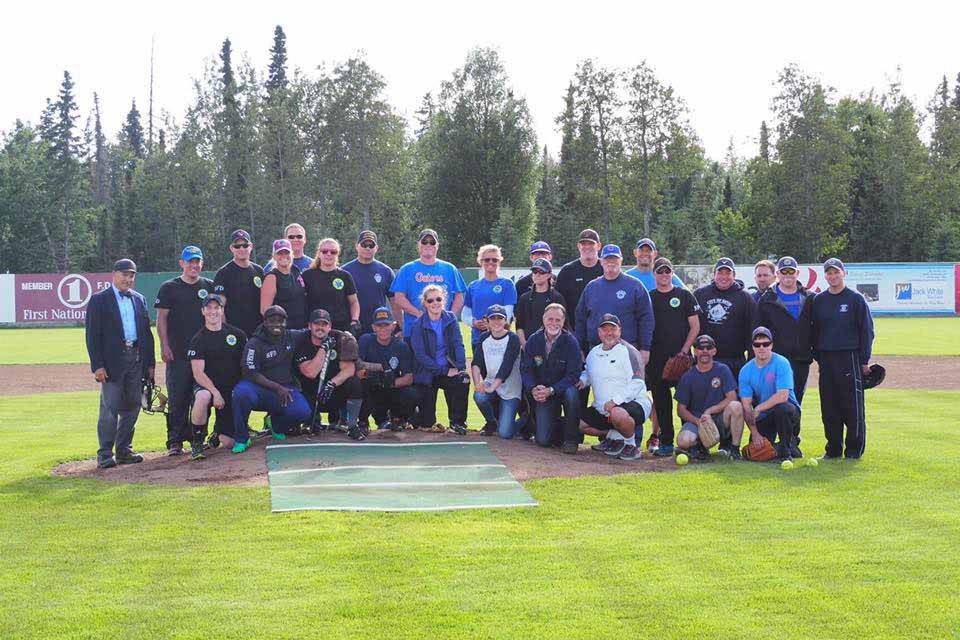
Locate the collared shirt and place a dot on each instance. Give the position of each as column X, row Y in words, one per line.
column 127, row 315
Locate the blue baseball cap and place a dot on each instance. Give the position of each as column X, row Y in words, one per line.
column 646, row 242
column 787, row 262
column 382, row 316
column 834, row 263
column 610, row 250
column 540, row 245
column 191, row 252
column 495, row 310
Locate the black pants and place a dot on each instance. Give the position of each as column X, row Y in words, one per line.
column 662, row 399
column 454, row 391
column 349, row 390
column 179, row 398
column 841, row 403
column 397, row 402
column 801, row 371
column 780, row 424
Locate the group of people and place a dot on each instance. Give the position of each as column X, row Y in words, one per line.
column 555, row 356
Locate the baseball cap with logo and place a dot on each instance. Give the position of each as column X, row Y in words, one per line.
column 661, row 262
column 589, row 235
column 834, row 263
column 125, row 264
column 542, row 265
column 191, row 252
column 275, row 310
column 369, row 236
column 610, row 251
column 241, row 235
column 725, row 263
column 320, row 315
column 428, row 233
column 540, row 246
column 382, row 315
column 282, row 245
column 761, row 331
column 646, row 242
column 496, row 310
column 213, row 297
column 787, row 262
column 705, row 341
column 609, row 318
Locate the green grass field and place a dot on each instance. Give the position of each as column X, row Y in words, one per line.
column 895, row 336
column 848, row 550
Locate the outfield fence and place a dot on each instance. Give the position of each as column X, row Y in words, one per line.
column 901, row 288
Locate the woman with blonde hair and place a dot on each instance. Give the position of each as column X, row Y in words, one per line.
column 330, row 287
column 490, row 289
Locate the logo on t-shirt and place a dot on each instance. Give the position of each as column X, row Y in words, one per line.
column 270, row 354
column 674, row 302
column 538, row 360
column 844, row 308
column 231, row 339
column 337, row 284
column 333, row 354
column 191, row 353
column 770, row 376
column 715, row 382
column 257, row 281
column 621, row 294
column 394, row 360
column 202, row 294
column 718, row 309
column 377, row 278
column 497, row 288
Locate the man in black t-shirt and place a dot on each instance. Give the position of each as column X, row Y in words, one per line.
column 214, row 354
column 576, row 275
column 239, row 282
column 386, row 370
column 676, row 323
column 326, row 361
column 178, row 320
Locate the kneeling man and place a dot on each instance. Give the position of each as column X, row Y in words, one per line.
column 770, row 407
column 268, row 383
column 708, row 393
column 386, row 363
column 614, row 369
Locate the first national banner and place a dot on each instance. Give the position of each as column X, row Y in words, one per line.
column 56, row 297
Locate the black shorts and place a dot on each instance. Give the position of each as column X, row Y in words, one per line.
column 223, row 424
column 597, row 420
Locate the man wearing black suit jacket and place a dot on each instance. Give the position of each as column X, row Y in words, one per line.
column 120, row 346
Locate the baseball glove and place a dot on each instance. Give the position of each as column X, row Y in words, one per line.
column 152, row 400
column 707, row 431
column 877, row 373
column 675, row 367
column 761, row 451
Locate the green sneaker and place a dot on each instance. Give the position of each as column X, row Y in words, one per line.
column 240, row 447
column 278, row 436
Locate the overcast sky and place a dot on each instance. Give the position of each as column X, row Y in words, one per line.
column 721, row 57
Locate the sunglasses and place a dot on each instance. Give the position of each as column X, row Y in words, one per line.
column 788, row 272
column 329, row 252
column 491, row 259
column 537, row 272
column 432, row 300
column 429, row 241
column 664, row 270
column 368, row 245
column 241, row 246
column 704, row 347
column 294, row 237
column 762, row 345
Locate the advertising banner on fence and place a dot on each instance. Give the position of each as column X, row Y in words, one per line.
column 56, row 297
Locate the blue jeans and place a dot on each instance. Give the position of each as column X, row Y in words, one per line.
column 507, row 423
column 546, row 414
column 248, row 397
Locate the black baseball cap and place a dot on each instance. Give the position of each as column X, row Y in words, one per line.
column 834, row 263
column 495, row 310
column 705, row 341
column 761, row 331
column 366, row 234
column 381, row 316
column 428, row 233
column 541, row 264
column 725, row 263
column 589, row 235
column 662, row 262
column 213, row 297
column 609, row 318
column 787, row 262
column 240, row 234
column 275, row 310
column 125, row 264
column 320, row 315
column 646, row 242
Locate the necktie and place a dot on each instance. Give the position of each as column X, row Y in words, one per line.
column 126, row 294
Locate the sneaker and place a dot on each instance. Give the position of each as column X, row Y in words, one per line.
column 129, row 458
column 570, row 448
column 279, row 437
column 459, row 429
column 396, row 424
column 700, row 452
column 355, row 432
column 653, row 443
column 109, row 463
column 616, row 448
column 436, row 428
column 630, row 452
column 196, row 451
column 735, row 455
column 795, row 451
column 213, row 442
column 240, row 447
column 489, row 429
column 175, row 450
column 724, row 451
column 664, row 451
column 601, row 446
column 783, row 453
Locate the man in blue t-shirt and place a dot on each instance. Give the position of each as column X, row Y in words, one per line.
column 708, row 392
column 372, row 279
column 489, row 290
column 770, row 407
column 646, row 254
column 386, row 366
column 414, row 276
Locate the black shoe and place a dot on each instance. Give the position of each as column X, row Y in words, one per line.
column 489, row 429
column 459, row 429
column 795, row 451
column 700, row 452
column 570, row 448
column 109, row 463
column 196, row 451
column 602, row 446
column 213, row 442
column 356, row 433
column 175, row 450
column 630, row 452
column 615, row 448
column 664, row 451
column 129, row 458
column 396, row 424
column 735, row 455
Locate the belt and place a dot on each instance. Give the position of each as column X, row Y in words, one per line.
column 130, row 344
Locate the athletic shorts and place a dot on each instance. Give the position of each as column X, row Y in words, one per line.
column 599, row 421
column 223, row 424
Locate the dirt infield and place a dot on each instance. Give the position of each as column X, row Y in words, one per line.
column 903, row 372
column 525, row 460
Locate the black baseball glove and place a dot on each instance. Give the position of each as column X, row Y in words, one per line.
column 326, row 392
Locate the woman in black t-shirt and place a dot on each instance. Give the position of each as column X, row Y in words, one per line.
column 330, row 287
column 284, row 286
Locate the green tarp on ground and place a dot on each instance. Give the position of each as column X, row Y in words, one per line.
column 430, row 476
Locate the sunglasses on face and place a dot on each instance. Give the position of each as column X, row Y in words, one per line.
column 241, row 246
column 329, row 252
column 537, row 272
column 762, row 345
column 664, row 270
column 294, row 237
column 432, row 300
column 368, row 245
column 429, row 241
column 491, row 259
column 788, row 272
column 701, row 347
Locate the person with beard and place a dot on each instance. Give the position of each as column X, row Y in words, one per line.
column 764, row 275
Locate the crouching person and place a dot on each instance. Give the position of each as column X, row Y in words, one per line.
column 706, row 393
column 268, row 383
column 326, row 360
column 386, row 364
column 496, row 374
column 770, row 407
column 550, row 368
column 614, row 368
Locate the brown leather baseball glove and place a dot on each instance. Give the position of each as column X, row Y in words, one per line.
column 676, row 367
column 761, row 451
column 707, row 431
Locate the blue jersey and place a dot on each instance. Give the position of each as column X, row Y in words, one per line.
column 792, row 301
column 372, row 281
column 761, row 383
column 624, row 297
column 699, row 390
column 483, row 293
column 414, row 277
column 648, row 281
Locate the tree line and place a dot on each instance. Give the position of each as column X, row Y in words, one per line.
column 871, row 178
